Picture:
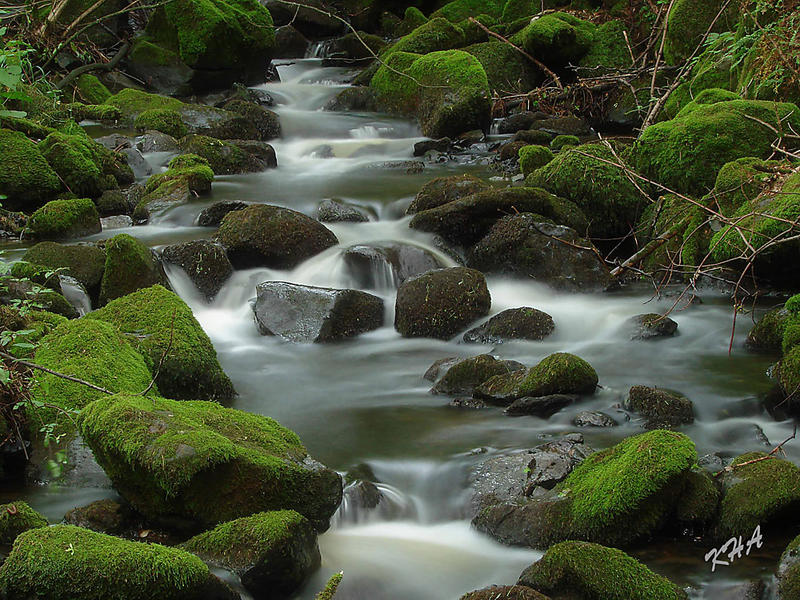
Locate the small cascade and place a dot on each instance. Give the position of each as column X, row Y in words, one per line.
column 75, row 293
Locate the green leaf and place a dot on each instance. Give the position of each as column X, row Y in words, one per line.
column 5, row 376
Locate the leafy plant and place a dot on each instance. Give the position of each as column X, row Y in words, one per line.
column 13, row 58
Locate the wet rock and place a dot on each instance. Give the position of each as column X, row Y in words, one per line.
column 541, row 406
column 661, row 409
column 120, row 202
column 442, row 190
column 362, row 495
column 550, row 463
column 263, row 235
column 232, row 156
column 314, row 24
column 272, row 553
column 441, row 303
column 586, row 570
column 439, row 368
column 136, row 162
column 463, row 376
column 101, row 516
column 84, row 262
column 588, row 418
column 290, row 43
column 506, row 592
column 513, row 324
column 697, row 506
column 167, row 195
column 299, row 313
column 130, row 266
column 713, row 463
column 155, row 141
column 533, row 136
column 114, row 141
column 526, row 246
column 116, row 222
column 562, row 126
column 750, row 590
column 510, row 151
column 387, row 265
column 440, row 145
column 205, row 263
column 519, row 121
column 334, row 210
column 650, row 326
column 16, row 518
column 559, row 373
column 353, row 99
column 213, row 215
column 469, row 403
column 466, row 220
column 789, row 571
column 470, row 138
column 263, row 124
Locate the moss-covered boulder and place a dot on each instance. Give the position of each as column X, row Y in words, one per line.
column 468, row 219
column 466, row 374
column 84, row 262
column 192, row 170
column 271, row 236
column 67, row 562
column 559, row 373
column 64, row 219
column 532, row 157
column 26, row 179
column 198, row 462
column 91, row 90
column 615, row 496
column 528, row 245
column 220, row 40
column 508, row 71
column 767, row 334
column 163, row 329
column 556, row 38
column 14, row 290
column 586, row 570
column 789, row 570
column 93, row 351
column 203, row 261
column 430, row 36
column 609, row 49
column 763, row 493
column 273, row 553
column 265, row 122
column 698, row 505
column 689, row 21
column 225, row 158
column 440, row 303
column 129, row 266
column 719, row 132
column 442, row 190
column 16, row 518
column 458, row 10
column 507, row 592
column 447, row 91
column 165, row 120
column 606, row 195
column 513, row 324
column 661, row 409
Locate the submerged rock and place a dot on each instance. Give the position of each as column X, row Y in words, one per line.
column 213, row 215
column 650, row 326
column 382, row 266
column 513, row 324
column 540, row 406
column 661, row 409
column 300, row 313
column 204, row 262
column 334, row 210
column 441, row 303
column 197, row 463
column 589, row 418
column 273, row 553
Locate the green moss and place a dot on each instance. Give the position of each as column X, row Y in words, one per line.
column 436, row 34
column 789, row 571
column 459, row 10
column 26, row 179
column 147, row 54
column 699, row 501
column 559, row 373
column 506, row 69
column 789, row 371
column 563, row 141
column 412, row 18
column 585, row 570
column 129, row 266
column 70, row 563
column 708, row 96
column 583, row 175
column 609, row 48
column 165, row 120
column 329, row 591
column 203, row 462
column 93, row 351
column 560, row 37
column 243, row 542
column 214, row 34
column 687, row 24
column 533, row 157
column 62, row 219
column 92, row 112
column 83, row 262
column 162, row 325
column 719, row 133
column 30, row 128
column 91, row 90
column 223, row 157
column 466, row 374
column 37, row 273
column 190, row 169
column 758, row 493
column 133, row 102
column 16, row 518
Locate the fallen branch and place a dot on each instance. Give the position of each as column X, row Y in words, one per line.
column 74, row 74
column 770, row 455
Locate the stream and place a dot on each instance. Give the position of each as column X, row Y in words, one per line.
column 363, row 403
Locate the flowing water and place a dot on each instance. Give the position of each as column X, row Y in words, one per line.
column 363, row 403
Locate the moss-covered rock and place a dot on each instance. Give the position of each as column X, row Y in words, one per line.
column 789, row 570
column 466, row 220
column 64, row 219
column 93, row 351
column 767, row 334
column 661, row 409
column 265, row 122
column 586, row 570
column 13, row 289
column 761, row 493
column 719, row 132
column 609, row 48
column 26, row 179
column 199, row 462
column 271, row 236
column 442, row 190
column 688, row 22
column 223, row 157
column 507, row 70
column 448, row 91
column 91, row 112
column 203, row 261
column 560, row 142
column 533, row 157
column 189, row 169
column 513, row 324
column 557, row 38
column 91, row 90
column 164, row 120
column 430, row 36
column 132, row 103
column 458, row 10
column 273, row 553
column 16, row 518
column 699, row 502
column 507, row 592
column 129, row 266
column 465, row 375
column 441, row 303
column 84, row 262
column 67, row 562
column 163, row 329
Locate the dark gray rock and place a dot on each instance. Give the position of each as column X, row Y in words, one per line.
column 136, row 162
column 155, row 141
column 513, row 324
column 387, row 265
column 661, row 409
column 264, row 125
column 443, row 190
column 299, row 313
column 213, row 215
column 589, row 418
column 290, row 43
column 441, row 145
column 114, row 141
column 334, row 210
column 540, row 406
column 353, row 99
column 439, row 368
column 465, row 375
column 469, row 403
column 204, row 261
column 519, row 121
column 650, row 326
column 562, row 126
column 103, row 516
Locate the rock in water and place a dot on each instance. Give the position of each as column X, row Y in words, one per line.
column 660, row 408
column 300, row 313
column 441, row 303
column 273, row 553
column 196, row 463
column 650, row 326
column 463, row 376
column 506, row 592
column 204, row 262
column 513, row 324
column 541, row 406
column 387, row 265
column 213, row 215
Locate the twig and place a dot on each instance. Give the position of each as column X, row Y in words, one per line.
column 56, row 373
column 771, row 454
column 74, row 74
